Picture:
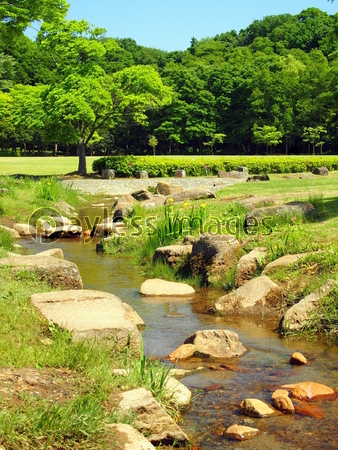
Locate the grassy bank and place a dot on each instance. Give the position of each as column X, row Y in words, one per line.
column 65, row 398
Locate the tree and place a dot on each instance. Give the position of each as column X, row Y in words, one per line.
column 314, row 136
column 153, row 143
column 267, row 135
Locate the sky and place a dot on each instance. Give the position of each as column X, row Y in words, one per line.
column 170, row 24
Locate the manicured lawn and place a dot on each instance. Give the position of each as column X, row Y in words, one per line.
column 40, row 165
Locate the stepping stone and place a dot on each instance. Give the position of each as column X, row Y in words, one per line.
column 91, row 314
column 161, row 288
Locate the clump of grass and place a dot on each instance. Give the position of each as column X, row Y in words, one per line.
column 6, row 240
column 41, row 424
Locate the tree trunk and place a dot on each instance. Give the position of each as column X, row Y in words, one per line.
column 24, row 149
column 287, row 147
column 55, row 149
column 81, row 149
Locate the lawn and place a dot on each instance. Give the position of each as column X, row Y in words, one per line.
column 40, row 166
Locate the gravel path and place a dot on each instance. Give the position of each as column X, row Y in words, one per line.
column 120, row 186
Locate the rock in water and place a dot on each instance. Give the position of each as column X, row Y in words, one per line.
column 310, row 391
column 171, row 254
column 259, row 295
column 241, row 433
column 297, row 359
column 150, row 418
column 161, row 288
column 91, row 314
column 256, row 408
column 216, row 344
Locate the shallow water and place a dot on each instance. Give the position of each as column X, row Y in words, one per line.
column 219, row 393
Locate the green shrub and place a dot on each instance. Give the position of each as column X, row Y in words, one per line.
column 127, row 166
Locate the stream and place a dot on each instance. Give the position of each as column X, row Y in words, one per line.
column 217, row 394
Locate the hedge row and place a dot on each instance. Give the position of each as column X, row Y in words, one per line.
column 127, row 166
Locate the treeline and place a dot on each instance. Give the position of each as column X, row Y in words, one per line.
column 271, row 88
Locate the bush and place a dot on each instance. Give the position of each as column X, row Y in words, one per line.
column 127, row 166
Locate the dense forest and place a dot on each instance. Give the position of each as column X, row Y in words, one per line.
column 270, row 88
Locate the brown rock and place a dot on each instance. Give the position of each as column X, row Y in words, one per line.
column 150, row 418
column 304, row 409
column 253, row 407
column 284, row 404
column 142, row 195
column 249, row 264
column 298, row 359
column 171, row 254
column 241, row 433
column 180, row 174
column 255, row 297
column 163, row 188
column 310, row 391
column 155, row 202
column 216, row 344
column 58, row 272
column 182, row 352
column 279, row 393
column 233, row 174
column 214, row 254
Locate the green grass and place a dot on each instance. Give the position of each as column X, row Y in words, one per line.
column 27, row 195
column 38, row 424
column 42, row 166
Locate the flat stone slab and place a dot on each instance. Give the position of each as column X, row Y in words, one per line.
column 24, row 229
column 192, row 194
column 161, row 288
column 284, row 261
column 287, row 209
column 150, row 419
column 91, row 314
column 253, row 407
column 310, row 391
column 258, row 295
column 241, row 432
column 58, row 272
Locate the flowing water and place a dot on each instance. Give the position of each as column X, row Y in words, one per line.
column 217, row 394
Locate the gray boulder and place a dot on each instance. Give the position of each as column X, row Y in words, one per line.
column 150, row 419
column 58, row 272
column 323, row 171
column 300, row 208
column 249, row 264
column 260, row 295
column 192, row 194
column 91, row 314
column 233, row 174
column 284, row 261
column 214, row 254
column 142, row 195
column 298, row 315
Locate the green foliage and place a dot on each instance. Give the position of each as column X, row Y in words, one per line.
column 127, row 166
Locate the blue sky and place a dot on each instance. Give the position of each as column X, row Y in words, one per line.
column 170, row 24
